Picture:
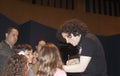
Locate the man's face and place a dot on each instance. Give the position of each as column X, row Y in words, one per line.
column 73, row 40
column 12, row 37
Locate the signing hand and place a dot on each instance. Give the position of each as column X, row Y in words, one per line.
column 72, row 61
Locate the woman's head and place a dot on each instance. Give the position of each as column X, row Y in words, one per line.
column 27, row 49
column 49, row 59
column 17, row 65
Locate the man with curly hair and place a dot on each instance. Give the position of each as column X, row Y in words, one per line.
column 91, row 59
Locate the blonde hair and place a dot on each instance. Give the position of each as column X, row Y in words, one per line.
column 49, row 59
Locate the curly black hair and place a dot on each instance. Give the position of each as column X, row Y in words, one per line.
column 73, row 26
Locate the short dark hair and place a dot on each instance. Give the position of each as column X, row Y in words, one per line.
column 72, row 26
column 9, row 29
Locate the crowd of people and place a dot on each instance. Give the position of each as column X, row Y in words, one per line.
column 46, row 60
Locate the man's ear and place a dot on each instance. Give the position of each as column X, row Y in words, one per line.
column 6, row 34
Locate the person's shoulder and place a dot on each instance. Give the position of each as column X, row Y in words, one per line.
column 4, row 48
column 91, row 37
column 60, row 72
column 1, row 44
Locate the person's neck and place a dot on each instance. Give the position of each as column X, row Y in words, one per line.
column 11, row 46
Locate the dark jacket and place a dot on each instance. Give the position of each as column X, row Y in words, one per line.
column 5, row 52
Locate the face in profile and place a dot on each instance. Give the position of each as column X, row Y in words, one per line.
column 29, row 55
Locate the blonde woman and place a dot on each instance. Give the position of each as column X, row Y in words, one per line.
column 50, row 63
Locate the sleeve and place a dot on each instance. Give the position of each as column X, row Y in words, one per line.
column 88, row 47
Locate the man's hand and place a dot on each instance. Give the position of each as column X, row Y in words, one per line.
column 72, row 61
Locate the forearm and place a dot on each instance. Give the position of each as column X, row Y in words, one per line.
column 78, row 67
column 73, row 68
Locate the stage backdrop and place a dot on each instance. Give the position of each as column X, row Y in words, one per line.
column 31, row 32
column 111, row 46
column 4, row 23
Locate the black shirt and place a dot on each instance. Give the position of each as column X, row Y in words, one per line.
column 92, row 47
